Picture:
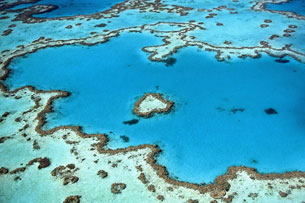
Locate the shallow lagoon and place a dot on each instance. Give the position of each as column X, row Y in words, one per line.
column 296, row 6
column 202, row 136
column 72, row 7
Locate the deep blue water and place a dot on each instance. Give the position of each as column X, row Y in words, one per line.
column 72, row 7
column 202, row 136
column 296, row 6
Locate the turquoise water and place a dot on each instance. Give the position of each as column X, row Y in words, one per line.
column 203, row 136
column 296, row 6
column 72, row 7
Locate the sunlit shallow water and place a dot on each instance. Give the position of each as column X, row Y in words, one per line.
column 203, row 135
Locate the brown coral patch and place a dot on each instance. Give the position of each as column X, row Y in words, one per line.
column 4, row 17
column 101, row 25
column 227, row 199
column 36, row 145
column 102, row 173
column 143, row 178
column 192, row 201
column 151, row 188
column 264, row 25
column 287, row 35
column 283, row 194
column 18, row 170
column 7, row 32
column 273, row 37
column 5, row 114
column 12, row 25
column 43, row 162
column 3, row 139
column 292, row 26
column 3, row 171
column 117, row 188
column 289, row 30
column 70, row 179
column 253, row 195
column 160, row 197
column 66, row 173
column 218, row 194
column 72, row 199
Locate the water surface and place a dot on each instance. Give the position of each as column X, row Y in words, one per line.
column 218, row 120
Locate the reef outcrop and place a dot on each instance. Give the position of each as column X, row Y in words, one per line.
column 152, row 103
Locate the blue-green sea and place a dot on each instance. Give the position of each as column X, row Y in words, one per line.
column 219, row 117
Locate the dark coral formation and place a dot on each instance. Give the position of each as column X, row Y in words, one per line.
column 287, row 35
column 43, row 162
column 3, row 171
column 3, row 139
column 283, row 194
column 170, row 61
column 235, row 110
column 274, row 36
column 160, row 197
column 70, row 179
column 100, row 25
column 18, row 119
column 192, row 201
column 151, row 188
column 102, row 173
column 71, row 166
column 281, row 60
column 117, row 188
column 292, row 26
column 289, row 30
column 66, row 173
column 124, row 138
column 4, row 17
column 72, row 199
column 18, row 170
column 143, row 178
column 228, row 199
column 264, row 25
column 218, row 194
column 7, row 32
column 227, row 42
column 36, row 145
column 211, row 15
column 5, row 114
column 131, row 122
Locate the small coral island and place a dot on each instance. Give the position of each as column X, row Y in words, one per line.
column 152, row 103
